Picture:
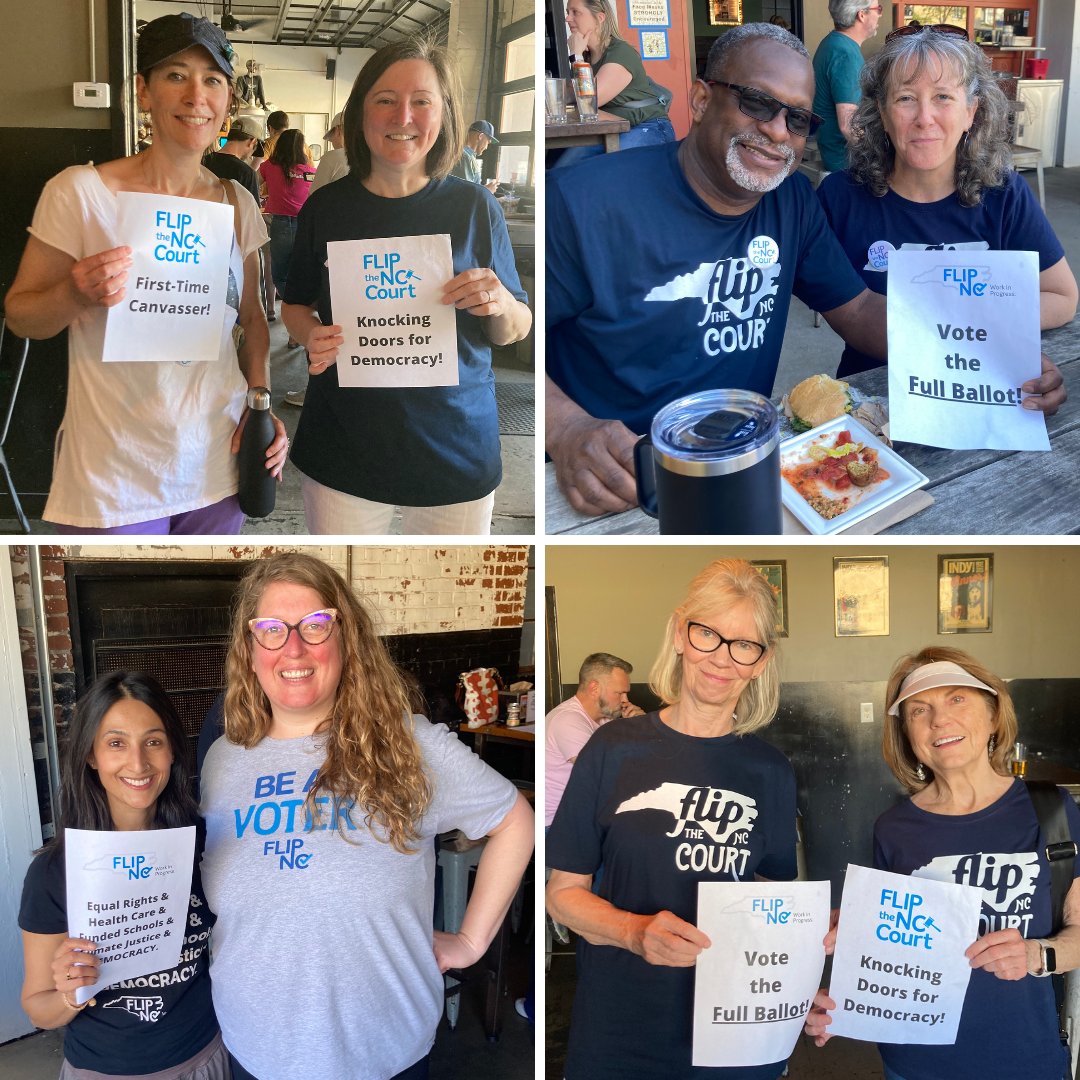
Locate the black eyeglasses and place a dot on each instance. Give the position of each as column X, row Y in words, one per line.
column 761, row 106
column 706, row 639
column 273, row 634
column 914, row 27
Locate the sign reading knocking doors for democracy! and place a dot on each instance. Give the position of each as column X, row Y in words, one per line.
column 963, row 337
column 754, row 984
column 386, row 296
column 899, row 972
column 129, row 892
column 174, row 306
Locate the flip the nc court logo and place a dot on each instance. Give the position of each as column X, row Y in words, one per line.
column 176, row 243
column 901, row 921
column 386, row 280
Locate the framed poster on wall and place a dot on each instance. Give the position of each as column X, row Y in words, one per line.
column 725, row 13
column 861, row 596
column 965, row 593
column 775, row 573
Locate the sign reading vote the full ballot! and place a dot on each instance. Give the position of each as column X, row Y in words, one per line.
column 386, row 295
column 129, row 892
column 754, row 985
column 174, row 306
column 899, row 971
column 963, row 338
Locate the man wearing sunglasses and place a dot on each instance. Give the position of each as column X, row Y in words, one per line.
column 837, row 64
column 670, row 269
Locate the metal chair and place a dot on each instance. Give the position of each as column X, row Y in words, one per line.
column 1025, row 157
column 16, row 378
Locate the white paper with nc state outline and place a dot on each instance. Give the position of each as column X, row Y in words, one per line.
column 174, row 306
column 940, row 303
column 754, row 984
column 911, row 989
column 386, row 296
column 129, row 892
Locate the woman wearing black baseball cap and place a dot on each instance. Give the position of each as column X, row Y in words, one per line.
column 147, row 448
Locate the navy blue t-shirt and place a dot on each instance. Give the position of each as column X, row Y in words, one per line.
column 662, row 811
column 1008, row 1029
column 1007, row 218
column 416, row 446
column 651, row 295
column 137, row 1026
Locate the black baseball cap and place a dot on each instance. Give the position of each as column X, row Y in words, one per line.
column 172, row 34
column 485, row 128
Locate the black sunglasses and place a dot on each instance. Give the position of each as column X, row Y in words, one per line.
column 914, row 27
column 761, row 106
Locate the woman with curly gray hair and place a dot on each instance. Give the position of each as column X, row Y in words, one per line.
column 929, row 166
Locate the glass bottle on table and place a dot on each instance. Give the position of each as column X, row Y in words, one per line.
column 584, row 90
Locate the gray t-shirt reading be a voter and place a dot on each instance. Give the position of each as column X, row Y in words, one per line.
column 323, row 962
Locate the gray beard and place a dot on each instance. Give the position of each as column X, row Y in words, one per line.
column 749, row 181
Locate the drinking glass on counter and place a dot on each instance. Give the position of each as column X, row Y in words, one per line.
column 1019, row 765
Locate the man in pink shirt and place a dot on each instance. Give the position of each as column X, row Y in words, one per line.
column 603, row 683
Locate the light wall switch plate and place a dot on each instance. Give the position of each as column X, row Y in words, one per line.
column 866, row 712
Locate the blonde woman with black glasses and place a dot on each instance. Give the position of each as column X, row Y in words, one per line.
column 322, row 803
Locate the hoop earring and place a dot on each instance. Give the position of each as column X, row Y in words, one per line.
column 920, row 771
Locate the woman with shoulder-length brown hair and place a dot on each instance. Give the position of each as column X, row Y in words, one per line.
column 432, row 450
column 322, row 803
column 662, row 802
column 950, row 728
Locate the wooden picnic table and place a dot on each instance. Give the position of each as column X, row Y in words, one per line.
column 605, row 129
column 987, row 492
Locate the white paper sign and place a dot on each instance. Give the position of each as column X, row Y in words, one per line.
column 174, row 306
column 386, row 298
column 899, row 972
column 753, row 986
column 129, row 892
column 963, row 337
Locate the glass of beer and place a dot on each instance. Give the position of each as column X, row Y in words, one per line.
column 1019, row 765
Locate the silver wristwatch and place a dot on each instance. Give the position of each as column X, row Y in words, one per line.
column 1047, row 959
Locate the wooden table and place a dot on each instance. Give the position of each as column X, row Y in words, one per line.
column 605, row 129
column 975, row 491
column 500, row 733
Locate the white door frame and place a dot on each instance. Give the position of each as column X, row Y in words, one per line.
column 20, row 822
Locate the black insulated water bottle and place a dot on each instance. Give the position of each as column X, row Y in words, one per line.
column 257, row 487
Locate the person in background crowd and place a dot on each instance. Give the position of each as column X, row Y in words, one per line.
column 335, row 162
column 276, row 123
column 717, row 672
column 931, row 168
column 125, row 766
column 147, row 447
column 434, row 451
column 232, row 161
column 603, row 683
column 288, row 176
column 949, row 734
column 480, row 136
column 837, row 64
column 315, row 704
column 622, row 86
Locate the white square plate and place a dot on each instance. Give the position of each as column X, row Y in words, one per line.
column 861, row 502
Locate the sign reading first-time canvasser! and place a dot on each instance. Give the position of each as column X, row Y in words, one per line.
column 899, row 972
column 963, row 338
column 387, row 298
column 129, row 892
column 174, row 306
column 754, row 984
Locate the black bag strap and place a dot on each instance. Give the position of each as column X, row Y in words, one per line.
column 1060, row 849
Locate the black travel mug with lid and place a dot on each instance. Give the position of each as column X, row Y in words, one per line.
column 711, row 465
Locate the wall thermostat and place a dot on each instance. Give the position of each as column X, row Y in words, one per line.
column 92, row 95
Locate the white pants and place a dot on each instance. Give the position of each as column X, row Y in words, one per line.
column 329, row 512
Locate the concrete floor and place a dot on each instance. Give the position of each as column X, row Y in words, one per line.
column 514, row 500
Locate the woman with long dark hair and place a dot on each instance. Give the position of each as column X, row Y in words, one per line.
column 125, row 767
column 288, row 174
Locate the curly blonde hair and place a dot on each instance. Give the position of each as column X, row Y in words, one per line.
column 372, row 756
column 721, row 584
column 895, row 745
